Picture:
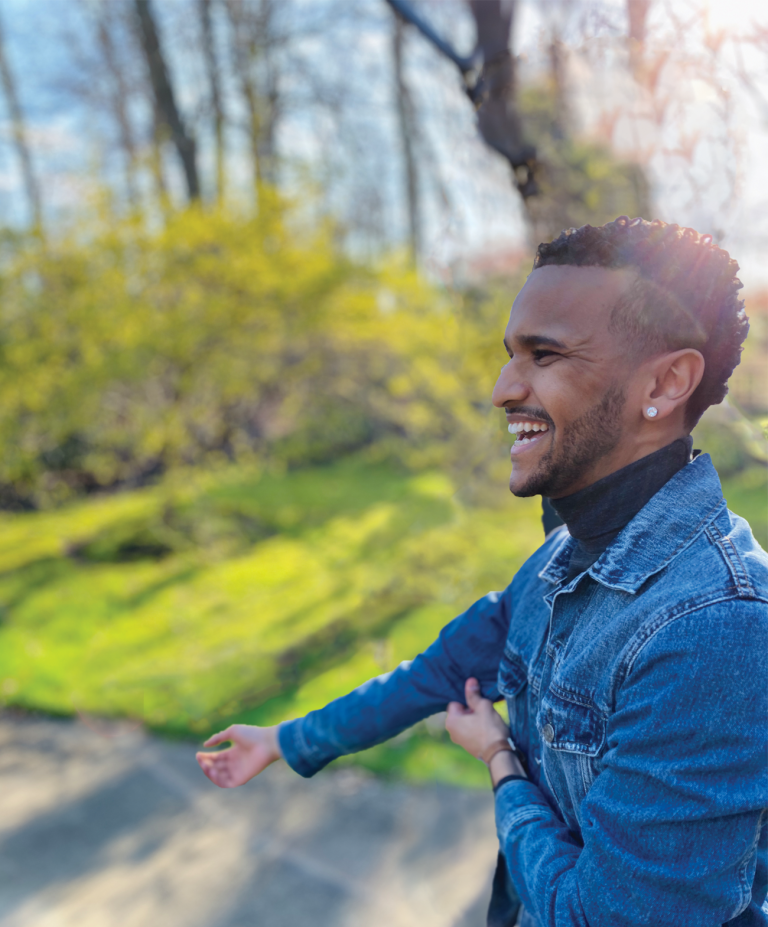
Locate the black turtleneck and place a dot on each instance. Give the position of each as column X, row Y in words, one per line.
column 595, row 515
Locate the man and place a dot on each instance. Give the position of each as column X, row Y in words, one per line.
column 631, row 648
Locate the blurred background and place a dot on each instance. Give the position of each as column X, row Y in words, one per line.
column 256, row 257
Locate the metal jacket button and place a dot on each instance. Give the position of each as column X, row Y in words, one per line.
column 548, row 733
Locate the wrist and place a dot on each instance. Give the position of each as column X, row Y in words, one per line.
column 506, row 763
column 501, row 765
column 277, row 752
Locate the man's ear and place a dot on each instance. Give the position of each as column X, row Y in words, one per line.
column 672, row 380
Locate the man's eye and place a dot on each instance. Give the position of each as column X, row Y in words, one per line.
column 542, row 355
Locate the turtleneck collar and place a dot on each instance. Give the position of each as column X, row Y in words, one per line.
column 595, row 515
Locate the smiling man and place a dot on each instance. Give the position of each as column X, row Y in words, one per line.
column 632, row 648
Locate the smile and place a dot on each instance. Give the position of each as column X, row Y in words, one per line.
column 527, row 433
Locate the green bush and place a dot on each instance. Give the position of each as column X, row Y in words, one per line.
column 127, row 350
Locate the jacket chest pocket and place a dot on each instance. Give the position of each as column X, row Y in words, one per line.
column 572, row 732
column 512, row 683
column 570, row 722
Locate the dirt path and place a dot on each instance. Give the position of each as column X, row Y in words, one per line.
column 109, row 827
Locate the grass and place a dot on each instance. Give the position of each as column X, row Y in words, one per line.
column 240, row 596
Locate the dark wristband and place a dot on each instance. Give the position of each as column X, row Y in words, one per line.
column 507, row 779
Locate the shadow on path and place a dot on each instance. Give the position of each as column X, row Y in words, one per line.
column 97, row 831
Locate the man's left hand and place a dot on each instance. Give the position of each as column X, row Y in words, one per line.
column 478, row 725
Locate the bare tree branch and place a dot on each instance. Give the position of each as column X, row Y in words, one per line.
column 406, row 11
column 21, row 142
column 492, row 90
column 637, row 15
column 118, row 99
column 253, row 44
column 407, row 122
column 214, row 85
column 164, row 96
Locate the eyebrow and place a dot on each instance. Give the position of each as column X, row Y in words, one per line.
column 532, row 341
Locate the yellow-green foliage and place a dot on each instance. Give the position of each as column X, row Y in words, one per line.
column 358, row 566
column 330, row 473
column 126, row 350
column 235, row 595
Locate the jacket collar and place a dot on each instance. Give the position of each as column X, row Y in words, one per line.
column 662, row 529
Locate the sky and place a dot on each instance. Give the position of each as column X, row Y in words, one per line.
column 706, row 170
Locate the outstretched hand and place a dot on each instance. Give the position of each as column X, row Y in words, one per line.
column 252, row 750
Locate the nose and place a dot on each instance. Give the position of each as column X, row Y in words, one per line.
column 510, row 387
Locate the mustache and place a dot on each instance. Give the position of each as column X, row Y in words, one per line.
column 529, row 412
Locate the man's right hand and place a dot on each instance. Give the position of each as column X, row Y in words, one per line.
column 252, row 750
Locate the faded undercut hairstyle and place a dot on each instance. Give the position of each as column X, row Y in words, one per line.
column 685, row 294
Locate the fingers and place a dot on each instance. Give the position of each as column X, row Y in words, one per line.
column 472, row 693
column 216, row 767
column 219, row 738
column 456, row 710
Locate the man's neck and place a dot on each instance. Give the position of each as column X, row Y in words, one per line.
column 597, row 514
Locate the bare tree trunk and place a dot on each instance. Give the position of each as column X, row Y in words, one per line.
column 496, row 91
column 637, row 14
column 240, row 59
column 407, row 121
column 557, row 74
column 159, row 137
column 20, row 138
column 164, row 95
column 214, row 84
column 250, row 29
column 118, row 101
column 271, row 93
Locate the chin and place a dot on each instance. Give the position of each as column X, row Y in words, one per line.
column 522, row 486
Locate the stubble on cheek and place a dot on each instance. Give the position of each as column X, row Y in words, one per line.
column 581, row 444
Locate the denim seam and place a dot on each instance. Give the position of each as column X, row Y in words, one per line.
column 552, row 653
column 648, row 631
column 582, row 761
column 511, row 656
column 552, row 577
column 746, row 887
column 570, row 695
column 640, row 578
column 552, row 790
column 524, row 815
column 732, row 558
column 570, row 746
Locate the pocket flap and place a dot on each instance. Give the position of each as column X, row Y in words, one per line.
column 569, row 721
column 513, row 674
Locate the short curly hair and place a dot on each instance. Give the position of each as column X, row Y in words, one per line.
column 685, row 295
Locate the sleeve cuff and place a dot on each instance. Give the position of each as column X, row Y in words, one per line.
column 505, row 780
column 518, row 802
column 297, row 753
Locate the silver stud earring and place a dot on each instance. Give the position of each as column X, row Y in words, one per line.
column 651, row 411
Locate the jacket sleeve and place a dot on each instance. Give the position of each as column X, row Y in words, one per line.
column 471, row 645
column 674, row 826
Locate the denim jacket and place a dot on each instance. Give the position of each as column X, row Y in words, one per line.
column 638, row 693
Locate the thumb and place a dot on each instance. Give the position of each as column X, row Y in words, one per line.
column 219, row 738
column 472, row 693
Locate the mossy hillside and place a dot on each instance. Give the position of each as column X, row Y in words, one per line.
column 238, row 595
column 159, row 604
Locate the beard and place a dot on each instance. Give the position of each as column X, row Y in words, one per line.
column 584, row 441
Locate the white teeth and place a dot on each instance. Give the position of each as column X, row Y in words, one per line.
column 517, row 428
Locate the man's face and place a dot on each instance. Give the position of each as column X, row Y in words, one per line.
column 567, row 381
